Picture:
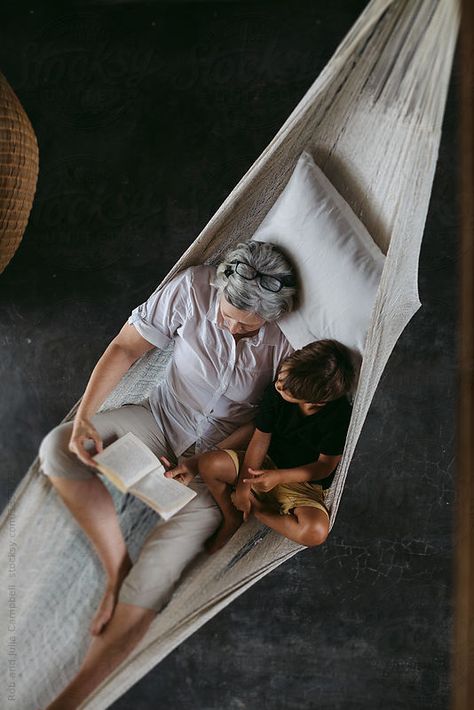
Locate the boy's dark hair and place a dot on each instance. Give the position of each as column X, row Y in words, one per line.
column 320, row 372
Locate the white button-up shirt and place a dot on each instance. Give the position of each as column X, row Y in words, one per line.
column 213, row 383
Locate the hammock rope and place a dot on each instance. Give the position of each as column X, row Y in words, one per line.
column 372, row 121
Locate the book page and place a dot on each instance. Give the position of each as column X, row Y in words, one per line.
column 129, row 459
column 163, row 494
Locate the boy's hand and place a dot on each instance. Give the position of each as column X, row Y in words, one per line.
column 184, row 472
column 242, row 501
column 263, row 480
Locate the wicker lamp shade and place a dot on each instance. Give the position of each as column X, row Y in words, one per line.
column 18, row 171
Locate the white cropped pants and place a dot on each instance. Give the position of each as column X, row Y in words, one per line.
column 171, row 545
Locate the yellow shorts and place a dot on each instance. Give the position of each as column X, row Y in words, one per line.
column 285, row 496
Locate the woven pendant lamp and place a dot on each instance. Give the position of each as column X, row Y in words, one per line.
column 18, row 172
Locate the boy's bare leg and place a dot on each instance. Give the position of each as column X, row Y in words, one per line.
column 125, row 629
column 306, row 525
column 92, row 506
column 218, row 472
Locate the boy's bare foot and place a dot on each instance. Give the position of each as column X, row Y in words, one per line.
column 262, row 506
column 258, row 505
column 228, row 528
column 107, row 604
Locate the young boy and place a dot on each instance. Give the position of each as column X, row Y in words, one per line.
column 291, row 459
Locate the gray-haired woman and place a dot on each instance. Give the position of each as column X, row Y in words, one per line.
column 226, row 350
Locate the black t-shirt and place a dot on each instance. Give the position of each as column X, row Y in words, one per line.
column 298, row 439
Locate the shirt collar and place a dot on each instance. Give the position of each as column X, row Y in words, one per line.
column 268, row 334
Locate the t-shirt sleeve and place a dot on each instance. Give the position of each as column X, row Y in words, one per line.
column 159, row 317
column 265, row 419
column 333, row 441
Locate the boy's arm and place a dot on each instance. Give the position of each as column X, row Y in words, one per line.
column 264, row 480
column 254, row 456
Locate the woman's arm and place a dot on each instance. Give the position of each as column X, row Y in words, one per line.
column 119, row 356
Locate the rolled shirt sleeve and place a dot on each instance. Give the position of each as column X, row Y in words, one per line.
column 160, row 316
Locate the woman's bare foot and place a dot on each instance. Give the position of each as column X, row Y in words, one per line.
column 107, row 604
column 228, row 528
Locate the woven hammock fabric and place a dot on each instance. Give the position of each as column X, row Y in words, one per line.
column 372, row 121
column 18, row 172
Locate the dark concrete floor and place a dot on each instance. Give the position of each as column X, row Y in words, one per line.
column 146, row 116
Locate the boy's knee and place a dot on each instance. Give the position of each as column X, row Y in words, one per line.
column 315, row 534
column 210, row 464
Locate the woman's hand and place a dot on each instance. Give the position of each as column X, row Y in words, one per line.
column 241, row 500
column 82, row 431
column 184, row 472
column 263, row 480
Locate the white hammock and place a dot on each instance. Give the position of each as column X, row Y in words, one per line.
column 372, row 121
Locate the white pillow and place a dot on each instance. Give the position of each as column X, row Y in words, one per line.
column 339, row 265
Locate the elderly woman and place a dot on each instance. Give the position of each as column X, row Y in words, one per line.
column 227, row 348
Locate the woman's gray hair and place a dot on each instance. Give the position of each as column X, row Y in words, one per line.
column 250, row 295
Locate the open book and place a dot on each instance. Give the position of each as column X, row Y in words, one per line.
column 130, row 465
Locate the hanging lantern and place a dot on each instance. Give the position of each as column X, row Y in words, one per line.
column 18, row 172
